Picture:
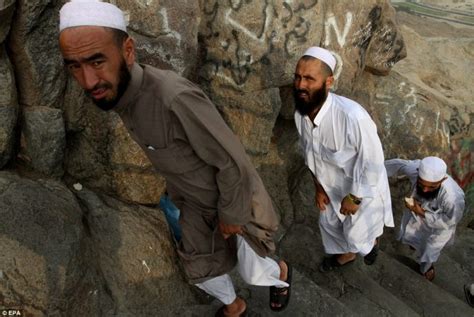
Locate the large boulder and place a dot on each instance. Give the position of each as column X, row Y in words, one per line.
column 165, row 33
column 41, row 235
column 44, row 139
column 136, row 256
column 33, row 43
column 7, row 7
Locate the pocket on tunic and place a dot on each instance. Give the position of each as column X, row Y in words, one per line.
column 338, row 158
column 174, row 159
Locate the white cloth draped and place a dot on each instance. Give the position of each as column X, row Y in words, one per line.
column 254, row 270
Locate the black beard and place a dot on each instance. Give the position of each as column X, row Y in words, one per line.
column 316, row 99
column 427, row 195
column 124, row 80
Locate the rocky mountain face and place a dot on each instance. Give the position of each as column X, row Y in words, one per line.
column 80, row 231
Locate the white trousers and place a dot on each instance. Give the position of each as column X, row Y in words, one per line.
column 254, row 270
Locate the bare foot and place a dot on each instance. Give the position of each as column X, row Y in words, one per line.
column 283, row 270
column 430, row 274
column 236, row 308
column 345, row 258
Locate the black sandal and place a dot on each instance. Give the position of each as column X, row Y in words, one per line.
column 281, row 295
column 332, row 263
column 220, row 312
column 370, row 258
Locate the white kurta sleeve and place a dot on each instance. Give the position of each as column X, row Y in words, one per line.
column 451, row 212
column 399, row 167
column 369, row 163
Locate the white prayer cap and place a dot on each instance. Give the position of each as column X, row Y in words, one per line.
column 91, row 13
column 432, row 169
column 323, row 55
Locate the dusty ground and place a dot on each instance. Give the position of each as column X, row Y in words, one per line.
column 460, row 5
column 436, row 47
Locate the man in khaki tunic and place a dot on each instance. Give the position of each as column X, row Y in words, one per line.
column 227, row 218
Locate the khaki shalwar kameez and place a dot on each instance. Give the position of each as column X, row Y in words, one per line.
column 208, row 174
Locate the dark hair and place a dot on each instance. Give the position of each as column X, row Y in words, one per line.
column 325, row 69
column 119, row 36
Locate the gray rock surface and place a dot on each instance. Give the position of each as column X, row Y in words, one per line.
column 7, row 7
column 135, row 255
column 35, row 53
column 8, row 108
column 44, row 139
column 41, row 237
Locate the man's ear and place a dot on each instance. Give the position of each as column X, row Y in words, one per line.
column 329, row 82
column 446, row 177
column 129, row 51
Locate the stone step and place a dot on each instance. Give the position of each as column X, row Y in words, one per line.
column 351, row 285
column 307, row 299
column 410, row 287
column 454, row 268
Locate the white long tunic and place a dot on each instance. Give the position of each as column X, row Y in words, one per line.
column 430, row 234
column 342, row 149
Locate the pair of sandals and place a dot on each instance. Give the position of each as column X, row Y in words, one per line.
column 332, row 263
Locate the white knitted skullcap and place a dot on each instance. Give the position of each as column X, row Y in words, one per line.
column 323, row 55
column 91, row 13
column 432, row 169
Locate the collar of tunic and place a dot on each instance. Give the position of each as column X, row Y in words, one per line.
column 324, row 109
column 132, row 89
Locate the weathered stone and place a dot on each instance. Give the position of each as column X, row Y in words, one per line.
column 251, row 45
column 139, row 187
column 35, row 54
column 287, row 110
column 387, row 45
column 136, row 256
column 362, row 36
column 7, row 7
column 86, row 159
column 252, row 121
column 166, row 33
column 134, row 178
column 40, row 245
column 254, row 45
column 8, row 108
column 273, row 171
column 44, row 139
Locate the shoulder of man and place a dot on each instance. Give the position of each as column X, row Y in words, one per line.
column 450, row 190
column 166, row 84
column 350, row 107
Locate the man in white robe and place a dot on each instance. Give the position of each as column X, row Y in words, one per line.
column 343, row 151
column 434, row 209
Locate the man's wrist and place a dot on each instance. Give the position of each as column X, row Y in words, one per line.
column 354, row 199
